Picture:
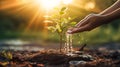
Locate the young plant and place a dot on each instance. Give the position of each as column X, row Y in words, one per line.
column 61, row 23
column 7, row 55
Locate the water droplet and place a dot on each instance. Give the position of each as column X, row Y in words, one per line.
column 68, row 45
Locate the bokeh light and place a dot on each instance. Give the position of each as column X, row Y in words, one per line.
column 89, row 5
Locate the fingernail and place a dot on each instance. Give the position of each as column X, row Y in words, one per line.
column 69, row 31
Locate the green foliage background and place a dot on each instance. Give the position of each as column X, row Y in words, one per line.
column 13, row 25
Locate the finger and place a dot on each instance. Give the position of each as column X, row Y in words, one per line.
column 86, row 21
column 83, row 21
column 79, row 23
column 81, row 29
column 70, row 31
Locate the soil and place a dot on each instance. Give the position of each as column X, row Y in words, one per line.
column 54, row 58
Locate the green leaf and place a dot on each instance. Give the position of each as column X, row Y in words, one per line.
column 9, row 55
column 61, row 12
column 65, row 20
column 58, row 28
column 73, row 23
column 52, row 28
column 63, row 9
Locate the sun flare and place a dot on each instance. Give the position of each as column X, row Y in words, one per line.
column 48, row 4
column 67, row 1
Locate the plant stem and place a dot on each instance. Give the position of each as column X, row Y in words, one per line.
column 61, row 42
column 82, row 48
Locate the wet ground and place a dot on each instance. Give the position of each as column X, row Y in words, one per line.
column 87, row 57
column 25, row 54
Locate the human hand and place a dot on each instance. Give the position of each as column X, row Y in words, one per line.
column 88, row 23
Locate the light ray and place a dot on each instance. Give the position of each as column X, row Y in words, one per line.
column 10, row 5
column 38, row 21
column 32, row 21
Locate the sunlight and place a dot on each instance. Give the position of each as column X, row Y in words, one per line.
column 67, row 1
column 90, row 5
column 9, row 5
column 48, row 4
column 31, row 22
